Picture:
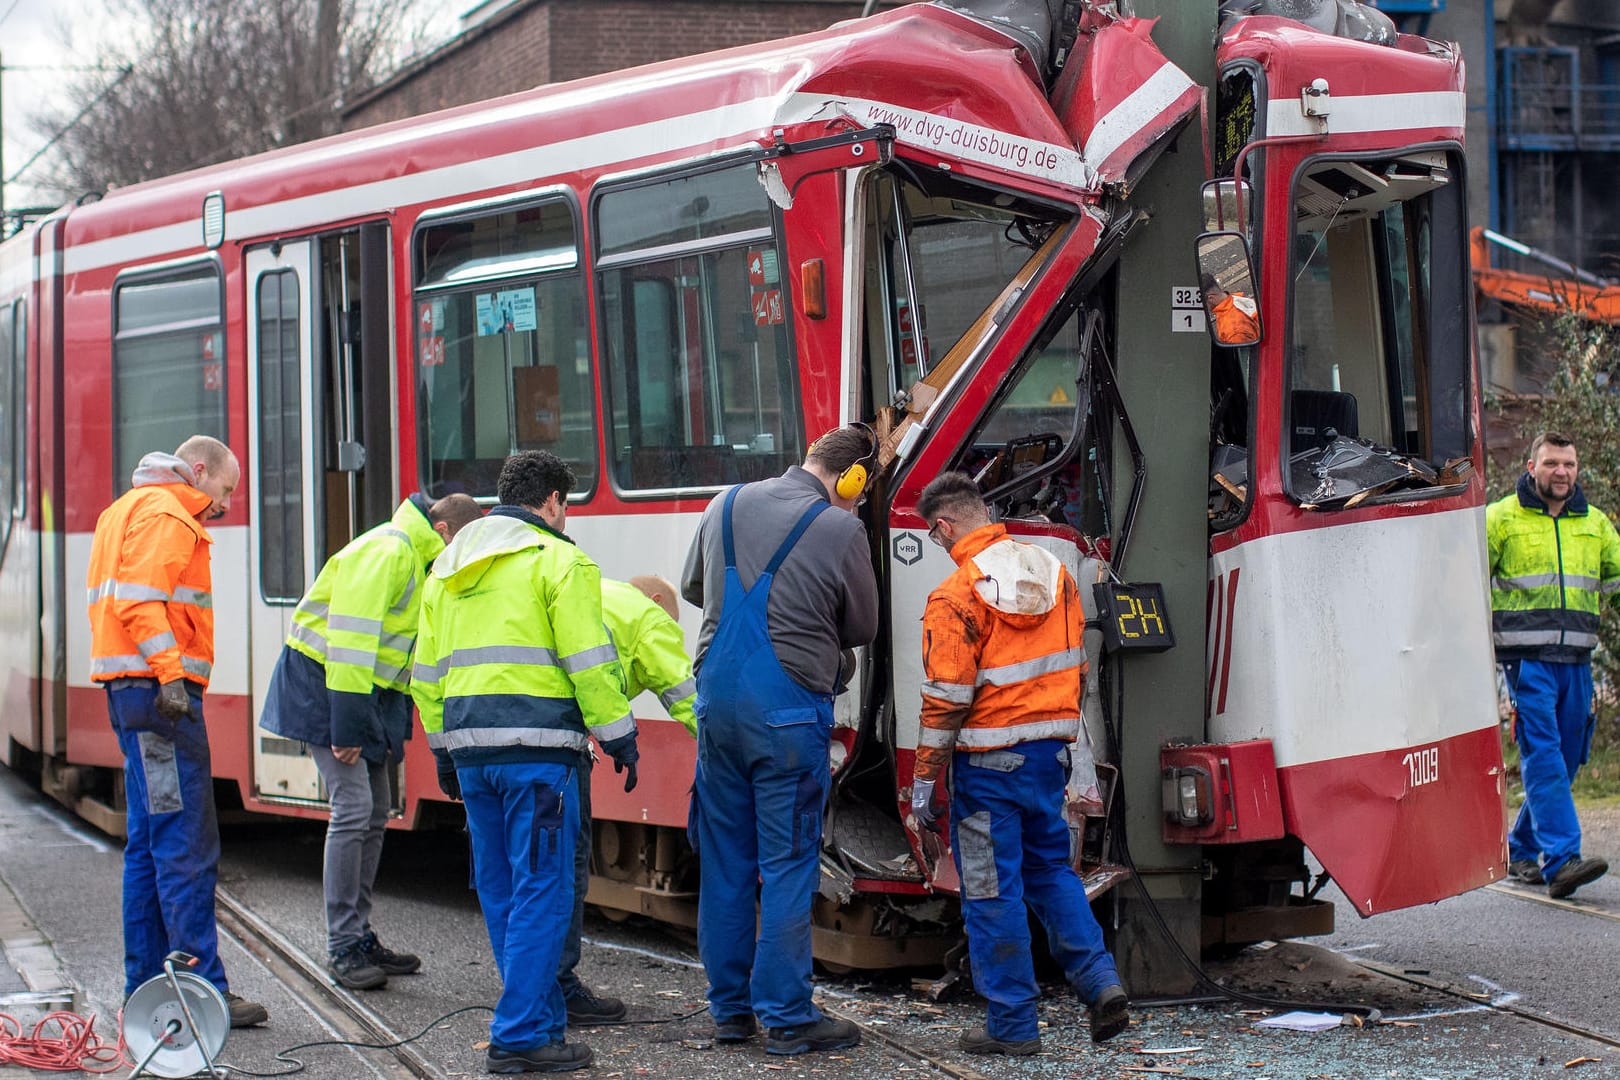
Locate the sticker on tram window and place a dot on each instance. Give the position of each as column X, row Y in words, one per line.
column 506, row 311
column 1422, row 766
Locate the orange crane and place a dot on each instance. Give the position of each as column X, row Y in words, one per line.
column 1570, row 289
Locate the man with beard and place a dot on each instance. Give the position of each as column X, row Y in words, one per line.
column 1553, row 558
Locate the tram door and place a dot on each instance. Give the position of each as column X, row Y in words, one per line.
column 280, row 376
column 321, row 418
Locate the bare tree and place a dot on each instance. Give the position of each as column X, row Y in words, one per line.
column 203, row 81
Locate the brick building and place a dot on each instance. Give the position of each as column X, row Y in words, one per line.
column 509, row 45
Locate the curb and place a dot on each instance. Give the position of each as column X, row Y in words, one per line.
column 34, row 958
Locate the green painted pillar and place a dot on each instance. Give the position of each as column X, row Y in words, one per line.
column 1164, row 379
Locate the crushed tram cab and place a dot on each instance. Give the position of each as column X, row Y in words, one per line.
column 928, row 220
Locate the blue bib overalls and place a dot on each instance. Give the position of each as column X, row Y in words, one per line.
column 757, row 803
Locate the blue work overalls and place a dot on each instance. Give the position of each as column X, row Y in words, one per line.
column 1554, row 732
column 1011, row 846
column 757, row 803
column 524, row 820
column 171, row 858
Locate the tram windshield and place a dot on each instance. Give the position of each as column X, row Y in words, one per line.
column 1377, row 361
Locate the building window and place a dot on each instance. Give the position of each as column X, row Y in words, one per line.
column 502, row 350
column 281, row 474
column 168, row 363
column 701, row 383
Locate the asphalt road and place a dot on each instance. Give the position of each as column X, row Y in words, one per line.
column 1510, row 950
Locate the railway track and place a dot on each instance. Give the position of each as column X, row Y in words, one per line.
column 1473, row 998
column 347, row 1016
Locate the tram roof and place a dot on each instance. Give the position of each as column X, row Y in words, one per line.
column 922, row 58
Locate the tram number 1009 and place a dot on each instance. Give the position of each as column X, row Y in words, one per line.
column 1423, row 766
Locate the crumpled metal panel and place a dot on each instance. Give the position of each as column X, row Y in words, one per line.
column 1119, row 98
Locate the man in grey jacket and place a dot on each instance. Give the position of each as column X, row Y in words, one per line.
column 782, row 597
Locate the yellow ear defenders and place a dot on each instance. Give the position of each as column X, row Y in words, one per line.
column 851, row 482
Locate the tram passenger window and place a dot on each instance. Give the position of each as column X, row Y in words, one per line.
column 168, row 363
column 1379, row 350
column 11, row 412
column 281, row 480
column 701, row 386
column 503, row 359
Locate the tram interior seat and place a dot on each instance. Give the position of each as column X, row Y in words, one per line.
column 1312, row 412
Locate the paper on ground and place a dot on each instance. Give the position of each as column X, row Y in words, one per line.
column 1300, row 1021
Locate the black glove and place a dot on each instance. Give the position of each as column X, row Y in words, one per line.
column 173, row 701
column 624, row 754
column 449, row 781
column 923, row 807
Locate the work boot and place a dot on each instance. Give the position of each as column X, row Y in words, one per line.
column 245, row 1013
column 1110, row 1014
column 735, row 1029
column 351, row 967
column 585, row 1007
column 980, row 1041
column 554, row 1057
column 824, row 1034
column 1526, row 871
column 1573, row 874
column 392, row 963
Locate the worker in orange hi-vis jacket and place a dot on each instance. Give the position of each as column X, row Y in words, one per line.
column 152, row 648
column 1234, row 314
column 1004, row 673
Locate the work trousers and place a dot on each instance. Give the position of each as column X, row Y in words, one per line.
column 360, row 796
column 582, row 881
column 1554, row 733
column 524, row 820
column 1011, row 847
column 171, row 856
column 756, row 817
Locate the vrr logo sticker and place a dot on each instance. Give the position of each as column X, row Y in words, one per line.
column 907, row 548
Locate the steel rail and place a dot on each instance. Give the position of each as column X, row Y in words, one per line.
column 1473, row 998
column 938, row 1064
column 307, row 981
column 1578, row 907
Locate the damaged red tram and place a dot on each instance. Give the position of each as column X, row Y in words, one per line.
column 675, row 276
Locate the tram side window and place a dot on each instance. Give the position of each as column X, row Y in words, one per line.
column 168, row 363
column 503, row 357
column 1379, row 350
column 19, row 412
column 11, row 413
column 281, row 480
column 701, row 384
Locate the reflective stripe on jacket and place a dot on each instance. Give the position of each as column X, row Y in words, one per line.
column 1003, row 659
column 513, row 660
column 652, row 650
column 359, row 618
column 1548, row 575
column 150, row 594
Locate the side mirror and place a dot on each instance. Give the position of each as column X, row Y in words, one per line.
column 1227, row 281
column 1226, row 203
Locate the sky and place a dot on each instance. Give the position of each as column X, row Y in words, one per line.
column 33, row 58
column 36, row 56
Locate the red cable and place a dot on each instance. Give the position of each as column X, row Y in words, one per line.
column 78, row 1047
